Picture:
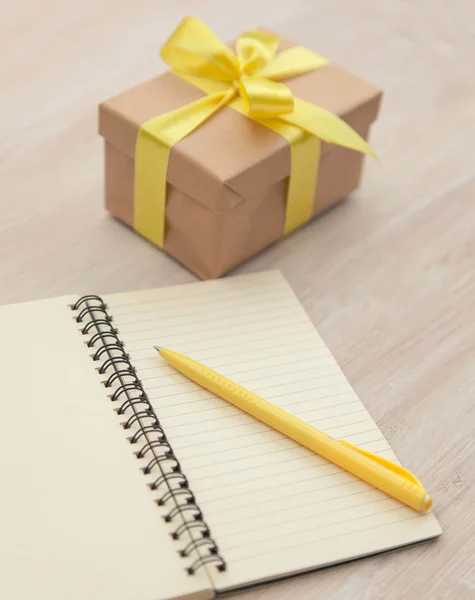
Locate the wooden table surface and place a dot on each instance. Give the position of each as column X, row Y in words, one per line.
column 387, row 277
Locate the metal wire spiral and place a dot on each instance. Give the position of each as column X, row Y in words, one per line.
column 130, row 401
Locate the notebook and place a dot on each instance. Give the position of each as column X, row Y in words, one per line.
column 122, row 479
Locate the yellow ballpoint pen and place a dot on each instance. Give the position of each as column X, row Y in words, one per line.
column 378, row 472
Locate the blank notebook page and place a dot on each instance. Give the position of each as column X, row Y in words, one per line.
column 274, row 508
column 76, row 520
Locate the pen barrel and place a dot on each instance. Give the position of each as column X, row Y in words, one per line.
column 393, row 484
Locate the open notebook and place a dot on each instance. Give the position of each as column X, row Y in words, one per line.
column 121, row 479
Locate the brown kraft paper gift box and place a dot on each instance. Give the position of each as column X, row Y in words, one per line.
column 227, row 181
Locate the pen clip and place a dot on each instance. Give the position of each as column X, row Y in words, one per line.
column 387, row 464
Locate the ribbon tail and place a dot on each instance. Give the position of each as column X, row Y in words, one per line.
column 327, row 126
column 152, row 151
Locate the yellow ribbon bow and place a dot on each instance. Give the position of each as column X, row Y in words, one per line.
column 247, row 82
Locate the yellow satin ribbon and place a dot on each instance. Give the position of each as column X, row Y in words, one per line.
column 247, row 82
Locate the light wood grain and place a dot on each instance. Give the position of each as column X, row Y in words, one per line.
column 388, row 277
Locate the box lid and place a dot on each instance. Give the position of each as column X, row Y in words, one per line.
column 230, row 149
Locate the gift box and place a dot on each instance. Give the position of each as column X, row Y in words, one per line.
column 245, row 170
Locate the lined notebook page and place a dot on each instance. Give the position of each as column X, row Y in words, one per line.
column 273, row 507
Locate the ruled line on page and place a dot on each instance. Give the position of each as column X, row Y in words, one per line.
column 161, row 296
column 311, row 479
column 212, row 474
column 230, row 321
column 279, row 550
column 267, row 461
column 296, row 504
column 291, row 496
column 196, row 389
column 301, row 478
column 266, row 437
column 219, row 406
column 151, row 354
column 251, row 344
column 325, row 366
column 250, row 419
column 255, row 527
column 159, row 336
column 403, row 511
column 282, row 504
column 196, row 468
column 233, row 412
column 319, row 465
column 259, row 432
column 257, row 295
column 299, row 345
column 239, row 515
column 229, row 373
column 196, row 465
column 271, row 434
column 201, row 393
column 277, row 439
column 181, row 313
column 248, row 341
column 166, row 370
column 170, row 420
column 246, row 381
column 226, row 411
column 336, row 517
column 309, row 473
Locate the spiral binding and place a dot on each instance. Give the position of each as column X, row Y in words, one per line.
column 131, row 402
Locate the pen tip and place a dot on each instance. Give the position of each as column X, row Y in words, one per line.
column 157, row 348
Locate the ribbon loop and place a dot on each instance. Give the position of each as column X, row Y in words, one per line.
column 291, row 62
column 193, row 48
column 255, row 49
